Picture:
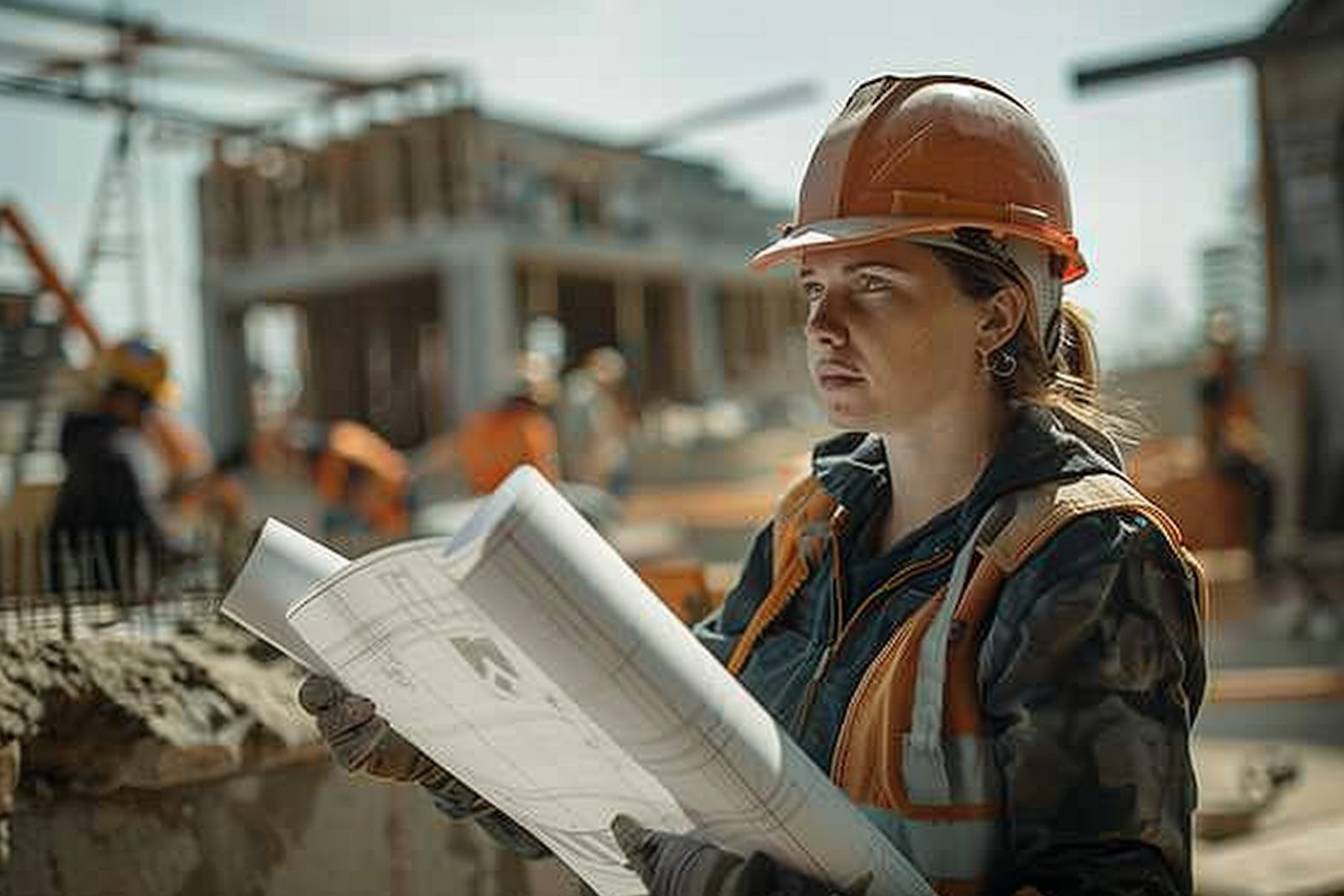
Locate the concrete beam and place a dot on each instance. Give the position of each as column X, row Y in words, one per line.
column 352, row 261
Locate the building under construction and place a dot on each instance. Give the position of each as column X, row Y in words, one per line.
column 418, row 250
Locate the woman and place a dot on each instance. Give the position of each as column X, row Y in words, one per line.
column 965, row 614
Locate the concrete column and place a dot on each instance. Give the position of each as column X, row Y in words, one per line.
column 703, row 342
column 228, row 411
column 477, row 304
column 448, row 323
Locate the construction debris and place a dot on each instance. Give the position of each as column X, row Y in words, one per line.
column 98, row 715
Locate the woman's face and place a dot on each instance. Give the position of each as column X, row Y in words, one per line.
column 890, row 338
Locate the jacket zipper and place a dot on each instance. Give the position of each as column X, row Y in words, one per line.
column 898, row 578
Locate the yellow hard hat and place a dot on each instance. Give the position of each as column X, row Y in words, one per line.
column 141, row 365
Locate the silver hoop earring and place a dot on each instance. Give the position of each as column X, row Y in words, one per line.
column 1002, row 364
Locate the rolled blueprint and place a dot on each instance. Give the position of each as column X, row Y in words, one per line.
column 526, row 657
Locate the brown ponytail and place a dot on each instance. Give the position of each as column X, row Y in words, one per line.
column 1077, row 356
column 1074, row 383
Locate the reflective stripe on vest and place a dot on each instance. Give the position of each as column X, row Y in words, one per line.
column 924, row 762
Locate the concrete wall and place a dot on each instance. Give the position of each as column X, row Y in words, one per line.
column 303, row 829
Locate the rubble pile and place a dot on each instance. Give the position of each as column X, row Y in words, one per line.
column 102, row 714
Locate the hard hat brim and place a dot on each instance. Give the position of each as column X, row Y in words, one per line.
column 835, row 233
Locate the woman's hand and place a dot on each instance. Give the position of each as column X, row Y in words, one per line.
column 360, row 739
column 674, row 865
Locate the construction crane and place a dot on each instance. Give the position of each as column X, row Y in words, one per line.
column 752, row 105
column 107, row 80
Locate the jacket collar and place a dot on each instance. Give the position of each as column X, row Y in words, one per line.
column 1041, row 445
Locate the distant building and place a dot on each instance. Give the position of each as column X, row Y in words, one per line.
column 418, row 252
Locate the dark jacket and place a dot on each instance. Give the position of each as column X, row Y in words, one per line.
column 1091, row 668
column 106, row 509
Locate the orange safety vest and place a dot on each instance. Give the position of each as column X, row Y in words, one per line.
column 494, row 442
column 912, row 743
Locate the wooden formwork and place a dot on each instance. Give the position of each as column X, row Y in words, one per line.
column 259, row 230
column 460, row 160
column 425, row 159
column 295, row 222
column 384, row 172
column 222, row 200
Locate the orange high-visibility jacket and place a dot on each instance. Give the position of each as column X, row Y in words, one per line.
column 912, row 743
column 493, row 442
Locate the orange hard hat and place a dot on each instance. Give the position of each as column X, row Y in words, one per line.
column 931, row 155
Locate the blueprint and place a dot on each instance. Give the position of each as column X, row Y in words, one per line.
column 527, row 658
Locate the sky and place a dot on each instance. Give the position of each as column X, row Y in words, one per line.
column 1153, row 163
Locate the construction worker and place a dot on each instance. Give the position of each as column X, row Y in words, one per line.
column 517, row 430
column 1233, row 443
column 361, row 480
column 109, row 513
column 965, row 614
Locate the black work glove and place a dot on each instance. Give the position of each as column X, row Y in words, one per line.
column 676, row 865
column 360, row 739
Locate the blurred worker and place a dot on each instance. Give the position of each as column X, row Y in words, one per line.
column 595, row 422
column 109, row 513
column 202, row 497
column 196, row 485
column 515, row 431
column 362, row 481
column 1232, row 441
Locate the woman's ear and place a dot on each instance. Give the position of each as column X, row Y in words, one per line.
column 1000, row 317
